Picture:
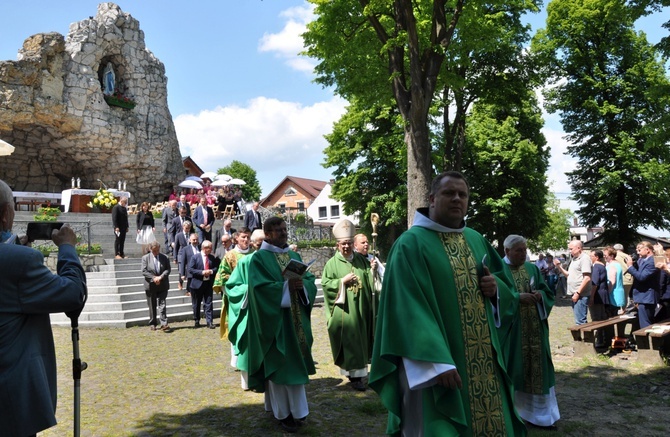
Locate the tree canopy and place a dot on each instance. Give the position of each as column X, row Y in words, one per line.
column 606, row 87
column 252, row 190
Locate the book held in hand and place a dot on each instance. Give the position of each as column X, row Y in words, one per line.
column 295, row 269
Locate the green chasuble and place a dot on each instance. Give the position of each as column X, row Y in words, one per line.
column 350, row 325
column 228, row 264
column 528, row 352
column 280, row 339
column 432, row 310
column 236, row 292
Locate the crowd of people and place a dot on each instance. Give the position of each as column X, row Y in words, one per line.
column 453, row 337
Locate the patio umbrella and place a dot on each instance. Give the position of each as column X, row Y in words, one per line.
column 220, row 183
column 237, row 182
column 6, row 148
column 224, row 177
column 190, row 184
column 194, row 178
column 209, row 175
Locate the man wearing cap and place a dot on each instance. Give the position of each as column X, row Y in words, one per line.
column 347, row 288
column 279, row 330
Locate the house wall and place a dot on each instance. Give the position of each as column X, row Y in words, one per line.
column 324, row 200
column 289, row 201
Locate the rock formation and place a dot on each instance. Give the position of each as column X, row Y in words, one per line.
column 62, row 119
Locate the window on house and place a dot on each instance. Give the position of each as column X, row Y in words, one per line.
column 301, row 206
column 290, row 191
column 323, row 212
column 282, row 207
column 335, row 211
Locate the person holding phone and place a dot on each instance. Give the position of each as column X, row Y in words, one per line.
column 29, row 293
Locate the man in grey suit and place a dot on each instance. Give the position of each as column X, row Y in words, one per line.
column 156, row 269
column 28, row 293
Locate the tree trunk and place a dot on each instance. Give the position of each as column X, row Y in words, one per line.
column 419, row 169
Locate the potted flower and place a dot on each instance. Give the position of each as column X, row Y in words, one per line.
column 102, row 201
column 118, row 99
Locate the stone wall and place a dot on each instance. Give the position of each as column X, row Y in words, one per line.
column 52, row 109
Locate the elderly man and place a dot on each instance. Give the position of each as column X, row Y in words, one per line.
column 156, row 271
column 29, row 292
column 437, row 362
column 252, row 218
column 350, row 306
column 202, row 267
column 279, row 330
column 362, row 246
column 224, row 246
column 203, row 219
column 529, row 355
column 579, row 280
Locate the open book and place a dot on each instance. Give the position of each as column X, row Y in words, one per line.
column 296, row 269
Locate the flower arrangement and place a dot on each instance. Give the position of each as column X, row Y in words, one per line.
column 47, row 214
column 118, row 99
column 103, row 200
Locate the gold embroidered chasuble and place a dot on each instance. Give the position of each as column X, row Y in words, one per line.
column 484, row 389
column 531, row 331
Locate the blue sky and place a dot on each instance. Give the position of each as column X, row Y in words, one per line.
column 237, row 88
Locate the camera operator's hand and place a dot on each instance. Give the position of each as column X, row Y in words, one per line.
column 64, row 236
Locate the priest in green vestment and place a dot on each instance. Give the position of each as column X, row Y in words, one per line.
column 446, row 308
column 528, row 352
column 348, row 293
column 279, row 331
column 236, row 289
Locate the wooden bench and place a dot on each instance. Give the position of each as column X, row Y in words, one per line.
column 584, row 336
column 652, row 342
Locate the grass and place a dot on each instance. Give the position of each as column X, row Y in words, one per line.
column 143, row 383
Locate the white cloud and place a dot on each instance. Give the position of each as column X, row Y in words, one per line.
column 288, row 43
column 275, row 138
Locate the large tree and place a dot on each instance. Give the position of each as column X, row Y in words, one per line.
column 367, row 152
column 252, row 189
column 606, row 78
column 411, row 38
column 506, row 164
column 555, row 234
column 369, row 50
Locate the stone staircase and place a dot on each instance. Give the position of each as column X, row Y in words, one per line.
column 116, row 297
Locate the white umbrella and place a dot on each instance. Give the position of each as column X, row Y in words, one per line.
column 220, row 183
column 237, row 182
column 209, row 175
column 194, row 178
column 190, row 184
column 6, row 148
column 224, row 177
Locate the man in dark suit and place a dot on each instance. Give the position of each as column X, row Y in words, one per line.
column 169, row 214
column 252, row 218
column 224, row 246
column 120, row 224
column 227, row 229
column 156, row 269
column 185, row 254
column 183, row 215
column 28, row 294
column 202, row 268
column 203, row 219
column 646, row 279
column 184, row 203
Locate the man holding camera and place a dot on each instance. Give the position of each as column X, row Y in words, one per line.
column 29, row 292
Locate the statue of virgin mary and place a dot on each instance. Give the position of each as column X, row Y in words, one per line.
column 109, row 79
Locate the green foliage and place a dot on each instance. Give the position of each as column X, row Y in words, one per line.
column 303, row 244
column 45, row 218
column 608, row 81
column 367, row 152
column 506, row 164
column 300, row 218
column 252, row 190
column 555, row 234
column 82, row 249
column 157, row 214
